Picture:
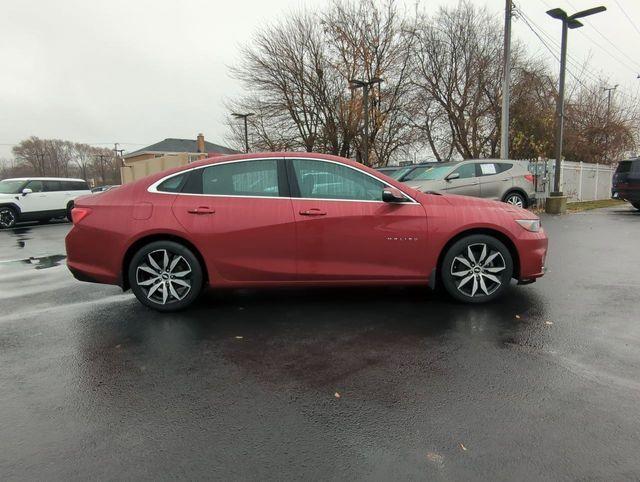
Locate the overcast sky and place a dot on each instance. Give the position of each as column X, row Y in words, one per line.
column 138, row 71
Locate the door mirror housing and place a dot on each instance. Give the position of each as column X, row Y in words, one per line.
column 452, row 176
column 393, row 195
column 26, row 191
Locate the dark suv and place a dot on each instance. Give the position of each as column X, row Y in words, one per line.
column 626, row 182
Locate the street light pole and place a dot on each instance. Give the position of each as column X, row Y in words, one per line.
column 366, row 87
column 506, row 82
column 568, row 22
column 609, row 91
column 246, row 127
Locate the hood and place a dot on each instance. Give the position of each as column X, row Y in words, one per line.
column 476, row 202
column 426, row 185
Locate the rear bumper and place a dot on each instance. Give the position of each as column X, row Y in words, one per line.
column 631, row 195
column 89, row 257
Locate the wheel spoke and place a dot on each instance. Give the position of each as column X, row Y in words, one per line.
column 165, row 260
column 173, row 291
column 495, row 279
column 483, row 254
column 148, row 282
column 181, row 282
column 181, row 274
column 475, row 286
column 465, row 281
column 165, row 293
column 153, row 289
column 470, row 254
column 491, row 257
column 463, row 261
column 145, row 268
column 174, row 262
column 495, row 269
column 153, row 263
column 483, row 285
column 460, row 274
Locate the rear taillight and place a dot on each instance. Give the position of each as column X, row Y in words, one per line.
column 78, row 214
column 529, row 177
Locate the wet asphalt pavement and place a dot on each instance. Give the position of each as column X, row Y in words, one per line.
column 544, row 385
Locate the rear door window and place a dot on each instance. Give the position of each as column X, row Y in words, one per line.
column 244, row 178
column 52, row 186
column 466, row 171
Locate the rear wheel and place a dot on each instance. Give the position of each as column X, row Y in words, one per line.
column 516, row 199
column 165, row 276
column 69, row 208
column 477, row 269
column 8, row 217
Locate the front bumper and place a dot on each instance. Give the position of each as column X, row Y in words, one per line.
column 533, row 254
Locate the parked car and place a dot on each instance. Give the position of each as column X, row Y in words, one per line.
column 262, row 220
column 626, row 182
column 38, row 198
column 388, row 170
column 407, row 173
column 98, row 189
column 504, row 181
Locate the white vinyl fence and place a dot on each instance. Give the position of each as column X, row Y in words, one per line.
column 580, row 181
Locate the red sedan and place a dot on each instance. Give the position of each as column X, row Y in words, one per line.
column 283, row 219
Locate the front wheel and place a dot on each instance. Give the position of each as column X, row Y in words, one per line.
column 8, row 217
column 165, row 276
column 477, row 269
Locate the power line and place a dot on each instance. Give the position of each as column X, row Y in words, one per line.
column 628, row 17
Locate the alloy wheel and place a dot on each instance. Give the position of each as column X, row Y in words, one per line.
column 7, row 218
column 516, row 200
column 165, row 277
column 477, row 269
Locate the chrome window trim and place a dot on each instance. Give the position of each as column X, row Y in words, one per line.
column 153, row 188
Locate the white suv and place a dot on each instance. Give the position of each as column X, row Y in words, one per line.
column 38, row 198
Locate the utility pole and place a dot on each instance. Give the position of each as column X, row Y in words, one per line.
column 556, row 203
column 246, row 128
column 609, row 91
column 366, row 87
column 506, row 81
column 101, row 164
column 118, row 153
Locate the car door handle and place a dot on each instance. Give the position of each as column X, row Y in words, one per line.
column 506, row 179
column 201, row 210
column 313, row 212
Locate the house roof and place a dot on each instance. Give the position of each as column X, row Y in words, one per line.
column 181, row 145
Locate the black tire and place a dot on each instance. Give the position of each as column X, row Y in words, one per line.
column 165, row 290
column 476, row 285
column 69, row 208
column 8, row 217
column 516, row 198
column 636, row 205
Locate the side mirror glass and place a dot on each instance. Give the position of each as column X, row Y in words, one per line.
column 393, row 195
column 452, row 176
column 26, row 191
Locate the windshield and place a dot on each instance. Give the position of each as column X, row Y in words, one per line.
column 432, row 173
column 401, row 172
column 11, row 187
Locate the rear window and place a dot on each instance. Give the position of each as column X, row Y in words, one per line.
column 173, row 184
column 75, row 186
column 52, row 186
column 624, row 167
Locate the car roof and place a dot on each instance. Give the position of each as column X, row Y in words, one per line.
column 44, row 179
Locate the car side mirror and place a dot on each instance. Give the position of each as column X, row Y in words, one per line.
column 26, row 191
column 452, row 176
column 393, row 195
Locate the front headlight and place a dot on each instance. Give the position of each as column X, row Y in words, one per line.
column 532, row 225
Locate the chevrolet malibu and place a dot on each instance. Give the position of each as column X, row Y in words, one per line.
column 293, row 219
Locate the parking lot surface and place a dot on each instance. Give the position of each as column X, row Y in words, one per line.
column 367, row 384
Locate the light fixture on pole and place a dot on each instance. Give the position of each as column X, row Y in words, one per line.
column 365, row 86
column 246, row 129
column 568, row 22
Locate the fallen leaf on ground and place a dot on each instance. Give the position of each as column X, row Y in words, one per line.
column 517, row 317
column 461, row 445
column 337, row 395
column 548, row 322
column 239, row 337
column 435, row 458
